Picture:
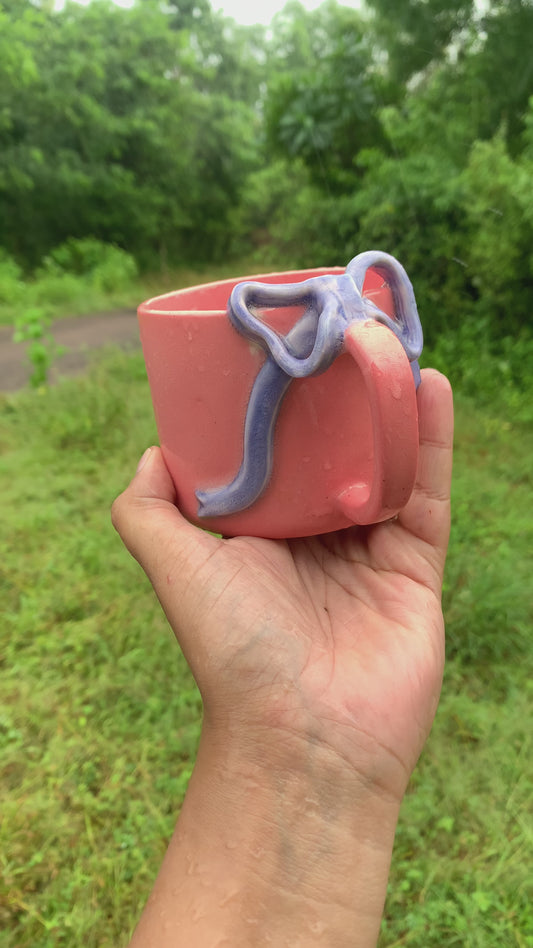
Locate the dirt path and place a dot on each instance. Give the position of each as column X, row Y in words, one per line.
column 80, row 335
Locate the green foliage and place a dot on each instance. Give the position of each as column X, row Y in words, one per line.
column 285, row 220
column 86, row 805
column 78, row 276
column 459, row 873
column 104, row 266
column 507, row 29
column 491, row 524
column 119, row 134
column 184, row 137
column 491, row 370
column 323, row 91
column 442, row 180
column 11, row 280
column 32, row 326
column 415, row 33
column 499, row 214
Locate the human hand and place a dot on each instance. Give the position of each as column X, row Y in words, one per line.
column 339, row 636
column 319, row 657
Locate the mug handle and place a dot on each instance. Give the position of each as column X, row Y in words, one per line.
column 388, row 378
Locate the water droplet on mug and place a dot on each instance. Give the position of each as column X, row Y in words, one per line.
column 328, row 465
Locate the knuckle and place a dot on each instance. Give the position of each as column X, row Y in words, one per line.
column 117, row 510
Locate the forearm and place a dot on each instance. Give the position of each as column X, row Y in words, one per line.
column 266, row 855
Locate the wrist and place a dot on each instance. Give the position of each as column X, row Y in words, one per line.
column 268, row 855
column 313, row 839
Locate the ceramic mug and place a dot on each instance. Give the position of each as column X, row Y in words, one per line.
column 285, row 403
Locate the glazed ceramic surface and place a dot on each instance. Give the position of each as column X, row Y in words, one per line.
column 286, row 403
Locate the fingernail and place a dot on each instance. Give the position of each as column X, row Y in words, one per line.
column 143, row 460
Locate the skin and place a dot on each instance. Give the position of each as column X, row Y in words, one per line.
column 320, row 664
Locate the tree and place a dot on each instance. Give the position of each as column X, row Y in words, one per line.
column 417, row 33
column 482, row 53
column 503, row 67
column 112, row 136
column 324, row 90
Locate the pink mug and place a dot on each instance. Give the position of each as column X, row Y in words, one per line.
column 339, row 446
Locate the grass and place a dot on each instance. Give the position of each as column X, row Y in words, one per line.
column 461, row 870
column 99, row 717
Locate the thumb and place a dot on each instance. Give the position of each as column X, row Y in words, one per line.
column 169, row 548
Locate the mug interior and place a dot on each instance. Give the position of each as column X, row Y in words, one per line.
column 213, row 297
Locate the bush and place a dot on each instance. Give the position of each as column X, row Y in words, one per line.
column 79, row 276
column 104, row 266
column 494, row 372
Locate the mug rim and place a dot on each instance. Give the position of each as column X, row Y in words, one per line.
column 145, row 308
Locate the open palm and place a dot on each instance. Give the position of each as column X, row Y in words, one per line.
column 335, row 639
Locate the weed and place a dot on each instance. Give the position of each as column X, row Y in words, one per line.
column 33, row 326
column 11, row 280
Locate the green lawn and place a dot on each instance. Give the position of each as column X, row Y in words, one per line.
column 99, row 717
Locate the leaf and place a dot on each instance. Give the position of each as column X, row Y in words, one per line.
column 482, row 900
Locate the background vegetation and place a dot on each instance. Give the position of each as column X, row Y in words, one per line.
column 136, row 143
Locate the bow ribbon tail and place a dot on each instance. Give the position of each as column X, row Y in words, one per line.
column 254, row 474
column 266, row 397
